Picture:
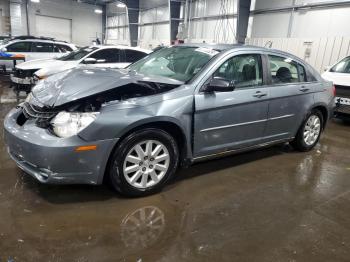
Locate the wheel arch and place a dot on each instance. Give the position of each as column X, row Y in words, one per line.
column 169, row 125
column 324, row 111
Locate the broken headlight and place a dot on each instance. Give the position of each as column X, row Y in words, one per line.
column 67, row 124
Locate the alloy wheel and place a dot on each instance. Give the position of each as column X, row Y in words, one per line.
column 146, row 164
column 312, row 130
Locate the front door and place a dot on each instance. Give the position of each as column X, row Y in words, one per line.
column 226, row 121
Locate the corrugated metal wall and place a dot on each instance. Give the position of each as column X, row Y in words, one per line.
column 120, row 34
column 318, row 52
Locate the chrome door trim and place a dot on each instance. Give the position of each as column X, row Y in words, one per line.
column 280, row 117
column 245, row 123
column 229, row 126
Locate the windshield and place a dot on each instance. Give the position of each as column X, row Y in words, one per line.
column 342, row 67
column 77, row 54
column 181, row 63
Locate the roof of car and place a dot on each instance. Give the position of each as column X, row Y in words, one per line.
column 122, row 47
column 40, row 40
column 224, row 47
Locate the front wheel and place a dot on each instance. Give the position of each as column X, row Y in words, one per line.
column 309, row 133
column 143, row 162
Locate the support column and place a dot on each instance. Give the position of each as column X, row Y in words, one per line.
column 133, row 7
column 243, row 11
column 175, row 9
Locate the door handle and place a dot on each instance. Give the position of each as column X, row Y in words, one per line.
column 304, row 89
column 259, row 94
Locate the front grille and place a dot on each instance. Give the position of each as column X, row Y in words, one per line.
column 20, row 73
column 342, row 91
column 42, row 116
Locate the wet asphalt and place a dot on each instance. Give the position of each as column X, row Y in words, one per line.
column 273, row 204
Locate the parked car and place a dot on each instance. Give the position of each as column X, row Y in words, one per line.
column 339, row 74
column 35, row 48
column 98, row 56
column 176, row 106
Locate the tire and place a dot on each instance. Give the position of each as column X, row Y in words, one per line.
column 301, row 141
column 136, row 173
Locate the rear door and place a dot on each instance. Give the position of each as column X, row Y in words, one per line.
column 291, row 97
column 225, row 121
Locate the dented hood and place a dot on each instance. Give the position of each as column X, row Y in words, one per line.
column 78, row 83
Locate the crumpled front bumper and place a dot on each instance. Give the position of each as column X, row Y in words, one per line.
column 54, row 160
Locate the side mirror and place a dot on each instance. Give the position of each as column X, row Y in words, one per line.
column 4, row 49
column 90, row 60
column 218, row 84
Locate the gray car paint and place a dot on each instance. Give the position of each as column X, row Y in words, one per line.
column 210, row 123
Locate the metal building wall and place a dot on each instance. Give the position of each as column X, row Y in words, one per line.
column 318, row 52
column 117, row 31
column 212, row 21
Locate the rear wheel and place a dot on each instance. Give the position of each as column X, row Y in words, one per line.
column 143, row 162
column 309, row 133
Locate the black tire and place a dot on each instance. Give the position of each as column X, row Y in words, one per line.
column 299, row 142
column 116, row 174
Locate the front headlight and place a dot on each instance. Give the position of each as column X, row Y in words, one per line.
column 66, row 124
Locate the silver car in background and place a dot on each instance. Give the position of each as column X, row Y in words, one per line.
column 179, row 105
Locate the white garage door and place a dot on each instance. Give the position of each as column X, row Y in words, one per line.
column 59, row 28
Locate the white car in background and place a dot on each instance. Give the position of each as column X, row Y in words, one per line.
column 339, row 74
column 118, row 56
column 34, row 48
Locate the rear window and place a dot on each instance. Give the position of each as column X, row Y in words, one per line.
column 64, row 48
column 342, row 67
column 285, row 70
column 132, row 56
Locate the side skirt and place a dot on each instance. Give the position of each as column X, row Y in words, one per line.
column 240, row 150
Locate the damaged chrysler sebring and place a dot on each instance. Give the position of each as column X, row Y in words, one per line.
column 182, row 104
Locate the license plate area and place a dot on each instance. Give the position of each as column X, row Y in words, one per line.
column 342, row 101
column 23, row 81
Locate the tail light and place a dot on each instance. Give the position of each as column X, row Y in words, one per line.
column 334, row 91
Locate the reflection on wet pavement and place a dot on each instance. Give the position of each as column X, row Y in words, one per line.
column 269, row 205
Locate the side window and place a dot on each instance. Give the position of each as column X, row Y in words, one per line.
column 285, row 70
column 19, row 47
column 56, row 49
column 65, row 48
column 132, row 56
column 302, row 73
column 243, row 70
column 42, row 47
column 108, row 55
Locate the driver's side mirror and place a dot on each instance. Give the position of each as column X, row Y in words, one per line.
column 90, row 60
column 218, row 84
column 327, row 68
column 4, row 49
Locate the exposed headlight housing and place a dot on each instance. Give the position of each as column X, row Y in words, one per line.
column 67, row 124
